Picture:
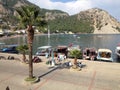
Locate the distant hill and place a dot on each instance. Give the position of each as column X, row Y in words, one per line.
column 101, row 20
column 8, row 13
column 93, row 20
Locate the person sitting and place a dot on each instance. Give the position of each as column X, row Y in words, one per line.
column 61, row 57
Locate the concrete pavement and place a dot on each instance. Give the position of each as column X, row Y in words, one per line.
column 95, row 75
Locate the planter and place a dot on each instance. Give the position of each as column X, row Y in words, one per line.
column 31, row 80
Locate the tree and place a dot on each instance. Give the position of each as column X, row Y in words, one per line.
column 23, row 49
column 29, row 16
column 76, row 54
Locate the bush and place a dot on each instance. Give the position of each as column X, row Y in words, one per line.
column 76, row 53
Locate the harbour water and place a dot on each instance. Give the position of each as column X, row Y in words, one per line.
column 109, row 41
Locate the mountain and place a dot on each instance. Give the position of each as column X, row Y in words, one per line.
column 7, row 6
column 8, row 13
column 93, row 20
column 101, row 21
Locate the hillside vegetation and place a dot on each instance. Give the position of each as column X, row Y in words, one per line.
column 71, row 24
column 93, row 20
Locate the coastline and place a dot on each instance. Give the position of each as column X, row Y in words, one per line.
column 12, row 36
column 17, row 36
column 19, row 57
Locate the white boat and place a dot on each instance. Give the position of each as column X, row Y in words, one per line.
column 104, row 54
column 41, row 51
column 117, row 52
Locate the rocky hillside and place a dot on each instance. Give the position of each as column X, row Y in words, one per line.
column 93, row 20
column 7, row 10
column 100, row 20
column 53, row 14
column 7, row 6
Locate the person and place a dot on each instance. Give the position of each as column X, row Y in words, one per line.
column 36, row 59
column 7, row 88
column 61, row 57
column 70, row 64
column 46, row 55
column 80, row 64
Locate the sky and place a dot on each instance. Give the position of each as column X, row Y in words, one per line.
column 75, row 6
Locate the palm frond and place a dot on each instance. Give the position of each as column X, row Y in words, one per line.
column 36, row 13
column 20, row 12
column 25, row 11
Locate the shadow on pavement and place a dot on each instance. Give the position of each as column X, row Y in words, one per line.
column 54, row 68
column 59, row 66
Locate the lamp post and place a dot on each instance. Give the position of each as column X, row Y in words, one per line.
column 48, row 36
column 53, row 61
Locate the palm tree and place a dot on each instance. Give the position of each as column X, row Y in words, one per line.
column 23, row 49
column 29, row 15
column 75, row 54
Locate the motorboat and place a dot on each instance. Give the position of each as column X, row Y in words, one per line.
column 89, row 53
column 61, row 51
column 117, row 51
column 10, row 49
column 104, row 54
column 43, row 50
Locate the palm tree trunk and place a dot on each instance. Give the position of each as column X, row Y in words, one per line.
column 30, row 62
column 30, row 34
column 24, row 57
column 75, row 61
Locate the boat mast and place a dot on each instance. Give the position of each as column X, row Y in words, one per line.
column 48, row 36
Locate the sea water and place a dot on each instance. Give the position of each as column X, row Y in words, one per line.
column 97, row 41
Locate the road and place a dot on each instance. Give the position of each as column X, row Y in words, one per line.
column 94, row 76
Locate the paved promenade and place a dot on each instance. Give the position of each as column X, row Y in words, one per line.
column 95, row 75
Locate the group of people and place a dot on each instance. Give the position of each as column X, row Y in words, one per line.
column 59, row 57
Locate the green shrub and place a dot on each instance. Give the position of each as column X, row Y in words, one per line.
column 76, row 53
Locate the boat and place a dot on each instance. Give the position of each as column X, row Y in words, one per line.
column 43, row 50
column 61, row 51
column 10, row 49
column 117, row 51
column 104, row 54
column 89, row 54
